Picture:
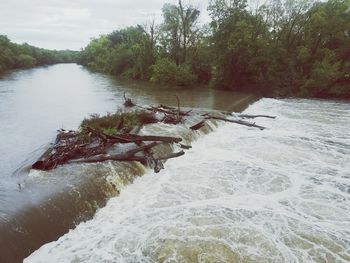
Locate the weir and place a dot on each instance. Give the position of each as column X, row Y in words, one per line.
column 239, row 195
column 62, row 198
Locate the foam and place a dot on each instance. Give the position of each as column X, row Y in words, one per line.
column 241, row 194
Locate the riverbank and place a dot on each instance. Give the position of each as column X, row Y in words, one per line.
column 287, row 93
column 237, row 50
column 24, row 56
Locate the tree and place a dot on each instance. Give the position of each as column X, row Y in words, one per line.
column 240, row 42
column 279, row 48
column 24, row 55
column 179, row 30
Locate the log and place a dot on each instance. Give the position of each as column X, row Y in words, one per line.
column 236, row 121
column 172, row 155
column 246, row 116
column 127, row 156
column 128, row 138
column 128, row 102
column 167, row 111
column 166, row 107
column 145, row 138
column 130, row 156
column 198, row 125
column 184, row 146
column 71, row 148
column 104, row 136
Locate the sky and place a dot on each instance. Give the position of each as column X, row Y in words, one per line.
column 70, row 24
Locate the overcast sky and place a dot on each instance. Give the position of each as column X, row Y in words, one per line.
column 69, row 24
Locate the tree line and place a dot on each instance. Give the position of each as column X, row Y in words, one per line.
column 16, row 56
column 279, row 48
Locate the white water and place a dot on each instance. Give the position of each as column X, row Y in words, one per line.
column 240, row 195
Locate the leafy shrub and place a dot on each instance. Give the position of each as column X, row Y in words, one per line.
column 184, row 75
column 165, row 71
column 25, row 61
column 120, row 122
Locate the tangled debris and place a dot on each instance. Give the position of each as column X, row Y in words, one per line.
column 97, row 135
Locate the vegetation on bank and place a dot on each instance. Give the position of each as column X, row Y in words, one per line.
column 15, row 56
column 280, row 48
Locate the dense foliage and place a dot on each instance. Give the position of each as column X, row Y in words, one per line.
column 281, row 48
column 14, row 55
column 175, row 52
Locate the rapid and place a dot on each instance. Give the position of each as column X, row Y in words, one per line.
column 239, row 195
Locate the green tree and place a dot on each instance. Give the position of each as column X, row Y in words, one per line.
column 25, row 61
column 179, row 30
column 24, row 55
column 165, row 71
column 240, row 46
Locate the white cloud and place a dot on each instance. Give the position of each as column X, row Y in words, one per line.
column 61, row 24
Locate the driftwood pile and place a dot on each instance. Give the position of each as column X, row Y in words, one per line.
column 89, row 145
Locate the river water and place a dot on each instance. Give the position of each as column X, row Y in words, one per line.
column 38, row 207
column 239, row 195
column 35, row 103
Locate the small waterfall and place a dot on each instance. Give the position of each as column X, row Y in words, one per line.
column 70, row 194
column 240, row 195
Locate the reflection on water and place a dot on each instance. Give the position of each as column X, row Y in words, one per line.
column 200, row 97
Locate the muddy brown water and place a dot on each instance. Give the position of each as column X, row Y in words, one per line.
column 36, row 209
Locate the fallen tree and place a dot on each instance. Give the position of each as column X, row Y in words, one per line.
column 247, row 116
column 245, row 123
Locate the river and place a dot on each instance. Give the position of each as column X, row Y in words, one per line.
column 35, row 103
column 240, row 195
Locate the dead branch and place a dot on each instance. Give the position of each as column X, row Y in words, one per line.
column 172, row 155
column 198, row 125
column 155, row 163
column 167, row 107
column 236, row 121
column 91, row 145
column 128, row 138
column 184, row 146
column 146, row 138
column 246, row 116
column 126, row 156
column 167, row 111
column 128, row 102
column 105, row 136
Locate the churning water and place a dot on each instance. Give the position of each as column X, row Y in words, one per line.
column 239, row 195
column 37, row 208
